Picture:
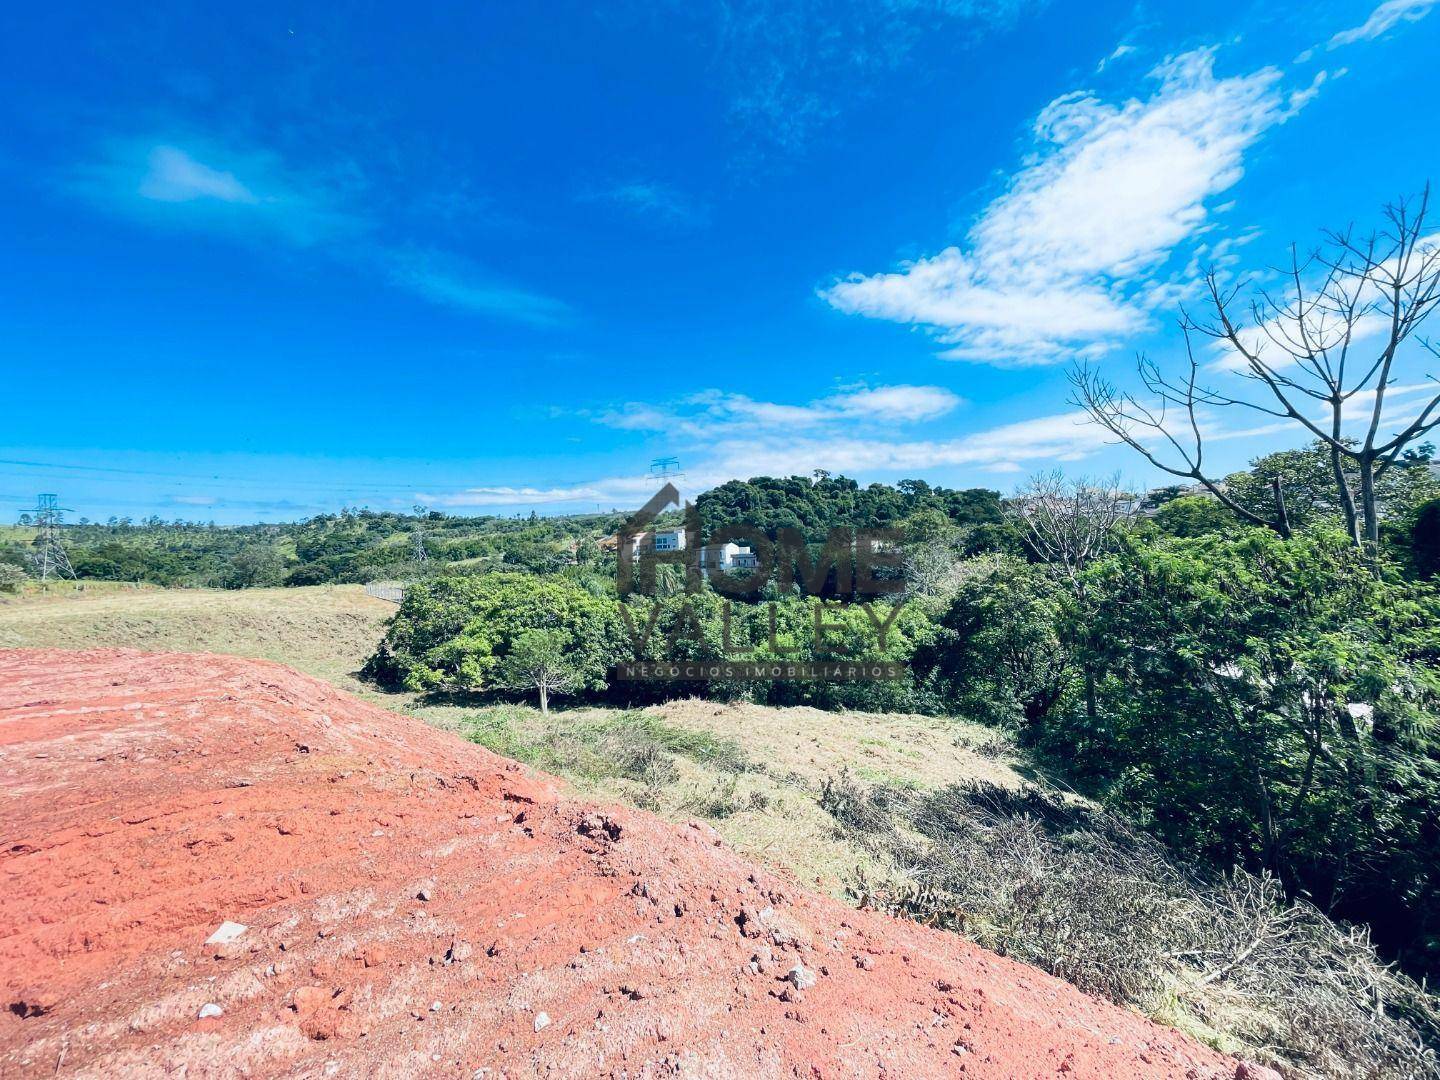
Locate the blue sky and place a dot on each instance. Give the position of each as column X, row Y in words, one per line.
column 258, row 266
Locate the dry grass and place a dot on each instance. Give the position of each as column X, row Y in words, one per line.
column 1075, row 891
column 768, row 809
column 325, row 630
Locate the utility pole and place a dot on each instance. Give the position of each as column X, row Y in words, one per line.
column 47, row 554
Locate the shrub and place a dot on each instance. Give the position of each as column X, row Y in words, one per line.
column 12, row 578
column 997, row 655
column 456, row 633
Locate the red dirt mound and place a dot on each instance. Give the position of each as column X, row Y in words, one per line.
column 415, row 905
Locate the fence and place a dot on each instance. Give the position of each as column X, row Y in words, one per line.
column 386, row 590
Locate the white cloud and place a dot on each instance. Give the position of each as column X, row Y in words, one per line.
column 740, row 453
column 909, row 403
column 251, row 197
column 1121, row 51
column 1065, row 261
column 712, row 413
column 246, row 195
column 614, row 491
column 174, row 176
column 1060, row 437
column 448, row 280
column 1383, row 19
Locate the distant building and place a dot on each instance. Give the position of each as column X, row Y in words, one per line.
column 727, row 557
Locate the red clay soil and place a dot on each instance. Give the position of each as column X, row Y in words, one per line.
column 418, row 906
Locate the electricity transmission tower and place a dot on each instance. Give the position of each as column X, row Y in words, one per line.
column 47, row 554
column 666, row 468
column 418, row 551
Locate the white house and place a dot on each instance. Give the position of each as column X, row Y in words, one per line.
column 727, row 557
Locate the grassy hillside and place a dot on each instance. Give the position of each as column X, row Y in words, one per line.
column 771, row 811
column 325, row 630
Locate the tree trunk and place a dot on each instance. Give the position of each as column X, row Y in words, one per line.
column 1367, row 501
column 1337, row 467
column 1282, row 515
column 544, row 699
column 1270, row 853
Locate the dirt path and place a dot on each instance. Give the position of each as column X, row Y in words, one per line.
column 415, row 905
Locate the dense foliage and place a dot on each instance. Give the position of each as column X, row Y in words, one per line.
column 816, row 505
column 353, row 546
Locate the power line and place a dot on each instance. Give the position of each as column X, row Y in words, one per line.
column 665, row 468
column 200, row 477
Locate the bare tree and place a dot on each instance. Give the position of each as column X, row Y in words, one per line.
column 1322, row 352
column 1070, row 522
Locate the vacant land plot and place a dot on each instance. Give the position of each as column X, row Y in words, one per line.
column 754, row 772
column 325, row 631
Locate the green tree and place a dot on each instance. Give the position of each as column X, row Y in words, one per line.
column 1193, row 515
column 255, row 566
column 997, row 654
column 1271, row 702
column 12, row 578
column 1307, row 481
column 455, row 633
column 1425, row 539
column 541, row 660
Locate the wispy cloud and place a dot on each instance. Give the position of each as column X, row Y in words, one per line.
column 779, row 451
column 174, row 176
column 251, row 197
column 789, row 68
column 654, row 200
column 1067, row 260
column 609, row 492
column 247, row 195
column 452, row 281
column 1120, row 52
column 1384, row 19
column 713, row 413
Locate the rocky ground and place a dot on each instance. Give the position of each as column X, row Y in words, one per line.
column 412, row 904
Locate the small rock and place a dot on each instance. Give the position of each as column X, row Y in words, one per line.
column 542, row 1021
column 226, row 932
column 800, row 977
column 459, row 951
column 211, row 1010
column 435, row 1006
column 426, row 892
column 375, row 956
